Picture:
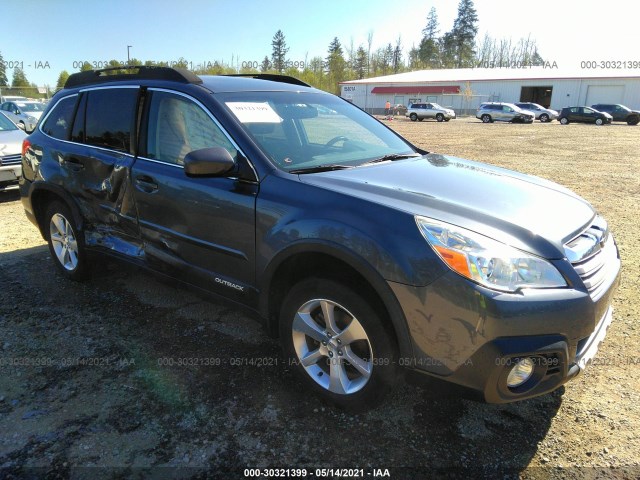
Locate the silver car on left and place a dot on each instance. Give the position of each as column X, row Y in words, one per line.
column 25, row 114
column 11, row 138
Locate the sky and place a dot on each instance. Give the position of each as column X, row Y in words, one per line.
column 61, row 34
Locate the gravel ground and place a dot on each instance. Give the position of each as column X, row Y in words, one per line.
column 139, row 377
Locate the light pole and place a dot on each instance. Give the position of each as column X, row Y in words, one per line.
column 128, row 57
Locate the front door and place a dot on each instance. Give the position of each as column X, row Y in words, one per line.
column 200, row 229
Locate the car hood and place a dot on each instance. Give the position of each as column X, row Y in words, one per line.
column 523, row 211
column 11, row 142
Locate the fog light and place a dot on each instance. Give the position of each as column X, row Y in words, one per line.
column 520, row 373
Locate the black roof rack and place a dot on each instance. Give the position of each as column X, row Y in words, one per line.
column 274, row 77
column 139, row 72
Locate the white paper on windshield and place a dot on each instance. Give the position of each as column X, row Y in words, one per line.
column 254, row 112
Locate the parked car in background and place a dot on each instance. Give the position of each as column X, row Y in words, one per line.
column 24, row 113
column 541, row 113
column 420, row 111
column 12, row 98
column 11, row 138
column 503, row 112
column 619, row 113
column 399, row 109
column 583, row 115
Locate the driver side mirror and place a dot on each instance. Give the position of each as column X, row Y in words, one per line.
column 208, row 162
column 21, row 126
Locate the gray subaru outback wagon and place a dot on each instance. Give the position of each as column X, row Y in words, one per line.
column 363, row 253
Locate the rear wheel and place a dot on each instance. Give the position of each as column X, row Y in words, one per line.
column 599, row 121
column 66, row 243
column 632, row 120
column 486, row 118
column 413, row 117
column 564, row 121
column 440, row 117
column 337, row 343
column 544, row 118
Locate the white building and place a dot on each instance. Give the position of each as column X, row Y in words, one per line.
column 464, row 89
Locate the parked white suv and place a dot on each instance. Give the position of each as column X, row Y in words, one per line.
column 420, row 111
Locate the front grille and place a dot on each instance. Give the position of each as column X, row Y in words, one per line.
column 594, row 256
column 11, row 159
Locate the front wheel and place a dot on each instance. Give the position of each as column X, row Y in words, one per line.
column 66, row 244
column 544, row 118
column 337, row 343
column 599, row 121
column 632, row 121
column 564, row 121
column 413, row 117
column 486, row 118
column 440, row 117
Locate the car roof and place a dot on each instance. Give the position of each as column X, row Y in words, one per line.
column 223, row 83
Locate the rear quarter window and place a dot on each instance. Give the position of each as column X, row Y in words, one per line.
column 58, row 122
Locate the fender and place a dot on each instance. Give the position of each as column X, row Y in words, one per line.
column 360, row 265
column 40, row 187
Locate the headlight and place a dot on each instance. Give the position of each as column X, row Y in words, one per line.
column 487, row 261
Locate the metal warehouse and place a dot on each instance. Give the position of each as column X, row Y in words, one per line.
column 464, row 89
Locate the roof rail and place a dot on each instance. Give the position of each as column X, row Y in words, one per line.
column 274, row 77
column 139, row 72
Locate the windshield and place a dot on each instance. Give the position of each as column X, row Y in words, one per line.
column 435, row 105
column 300, row 131
column 31, row 107
column 6, row 124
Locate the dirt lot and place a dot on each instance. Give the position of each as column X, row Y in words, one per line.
column 86, row 378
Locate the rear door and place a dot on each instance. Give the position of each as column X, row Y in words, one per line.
column 200, row 229
column 97, row 162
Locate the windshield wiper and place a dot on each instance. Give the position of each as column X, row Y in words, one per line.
column 391, row 157
column 320, row 168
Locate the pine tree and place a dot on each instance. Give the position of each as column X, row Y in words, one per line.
column 463, row 35
column 19, row 78
column 62, row 79
column 360, row 64
column 429, row 49
column 3, row 72
column 265, row 66
column 335, row 64
column 279, row 52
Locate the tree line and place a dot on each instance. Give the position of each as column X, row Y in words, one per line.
column 458, row 47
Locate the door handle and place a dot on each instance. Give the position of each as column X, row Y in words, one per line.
column 73, row 163
column 146, row 184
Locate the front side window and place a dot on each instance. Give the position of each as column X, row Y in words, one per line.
column 295, row 131
column 58, row 122
column 178, row 126
column 110, row 118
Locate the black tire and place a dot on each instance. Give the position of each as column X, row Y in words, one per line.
column 544, row 118
column 599, row 121
column 71, row 237
column 413, row 117
column 486, row 118
column 632, row 120
column 358, row 391
column 440, row 117
column 420, row 119
column 564, row 121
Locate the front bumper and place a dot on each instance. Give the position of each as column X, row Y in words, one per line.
column 473, row 336
column 9, row 176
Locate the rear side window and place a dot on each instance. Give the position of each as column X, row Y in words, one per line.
column 110, row 117
column 58, row 123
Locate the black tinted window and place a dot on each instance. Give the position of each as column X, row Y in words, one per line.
column 58, row 123
column 110, row 117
